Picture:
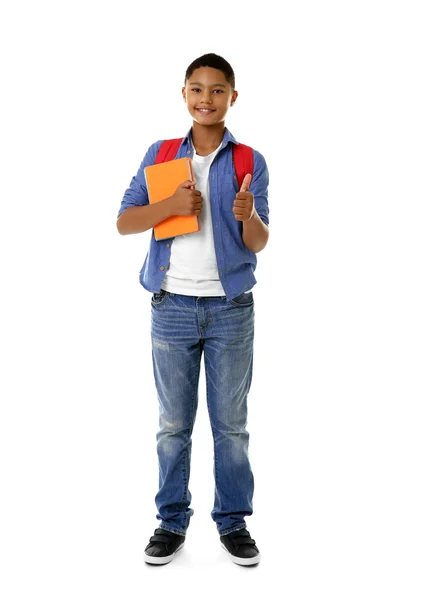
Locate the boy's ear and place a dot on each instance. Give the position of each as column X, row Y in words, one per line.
column 234, row 97
column 184, row 93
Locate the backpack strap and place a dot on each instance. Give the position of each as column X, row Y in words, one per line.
column 242, row 157
column 243, row 161
column 168, row 150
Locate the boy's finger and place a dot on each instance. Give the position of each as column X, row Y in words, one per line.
column 246, row 183
column 188, row 184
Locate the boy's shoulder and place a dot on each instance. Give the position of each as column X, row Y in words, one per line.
column 258, row 157
column 156, row 145
column 151, row 153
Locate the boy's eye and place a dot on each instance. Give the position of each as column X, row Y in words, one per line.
column 214, row 91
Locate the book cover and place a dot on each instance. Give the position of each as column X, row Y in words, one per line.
column 162, row 180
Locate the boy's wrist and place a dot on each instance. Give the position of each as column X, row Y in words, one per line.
column 167, row 207
column 252, row 217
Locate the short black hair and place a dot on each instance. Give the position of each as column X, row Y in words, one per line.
column 215, row 62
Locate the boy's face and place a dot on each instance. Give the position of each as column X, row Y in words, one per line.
column 208, row 96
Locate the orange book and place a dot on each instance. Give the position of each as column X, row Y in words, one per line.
column 162, row 180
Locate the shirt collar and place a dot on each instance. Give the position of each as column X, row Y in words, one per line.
column 228, row 137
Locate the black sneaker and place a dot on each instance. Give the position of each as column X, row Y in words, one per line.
column 162, row 547
column 242, row 548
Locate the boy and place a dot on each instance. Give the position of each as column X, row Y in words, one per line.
column 201, row 303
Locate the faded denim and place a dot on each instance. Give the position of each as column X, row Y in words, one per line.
column 183, row 328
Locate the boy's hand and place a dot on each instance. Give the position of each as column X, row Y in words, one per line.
column 244, row 207
column 186, row 200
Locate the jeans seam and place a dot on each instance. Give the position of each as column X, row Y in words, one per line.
column 190, row 432
column 185, row 488
column 215, row 470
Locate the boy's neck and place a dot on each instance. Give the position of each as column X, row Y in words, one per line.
column 207, row 139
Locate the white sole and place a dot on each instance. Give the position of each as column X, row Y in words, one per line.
column 161, row 560
column 245, row 562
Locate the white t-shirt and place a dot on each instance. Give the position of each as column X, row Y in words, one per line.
column 192, row 268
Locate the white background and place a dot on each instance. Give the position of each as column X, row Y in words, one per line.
column 332, row 94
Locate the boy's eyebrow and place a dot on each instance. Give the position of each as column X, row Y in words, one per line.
column 213, row 85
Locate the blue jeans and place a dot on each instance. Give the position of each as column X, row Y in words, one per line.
column 183, row 327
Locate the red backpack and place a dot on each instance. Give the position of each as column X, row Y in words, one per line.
column 242, row 157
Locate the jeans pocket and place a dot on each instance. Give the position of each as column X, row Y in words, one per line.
column 159, row 298
column 245, row 299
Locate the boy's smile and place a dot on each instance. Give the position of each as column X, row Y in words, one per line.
column 205, row 111
column 208, row 96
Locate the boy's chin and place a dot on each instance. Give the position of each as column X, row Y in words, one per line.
column 206, row 122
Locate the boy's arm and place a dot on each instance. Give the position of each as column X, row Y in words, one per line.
column 251, row 206
column 184, row 201
column 136, row 219
column 255, row 233
column 135, row 213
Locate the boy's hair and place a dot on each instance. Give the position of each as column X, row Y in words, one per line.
column 215, row 62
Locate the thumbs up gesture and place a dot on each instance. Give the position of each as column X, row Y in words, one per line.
column 244, row 207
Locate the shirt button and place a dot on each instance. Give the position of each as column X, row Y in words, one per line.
column 168, row 245
column 235, row 176
column 188, row 151
column 162, row 268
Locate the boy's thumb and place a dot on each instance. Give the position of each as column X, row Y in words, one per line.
column 246, row 183
column 188, row 184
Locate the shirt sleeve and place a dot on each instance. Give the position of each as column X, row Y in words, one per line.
column 259, row 186
column 136, row 194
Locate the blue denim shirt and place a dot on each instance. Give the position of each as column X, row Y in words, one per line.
column 236, row 263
